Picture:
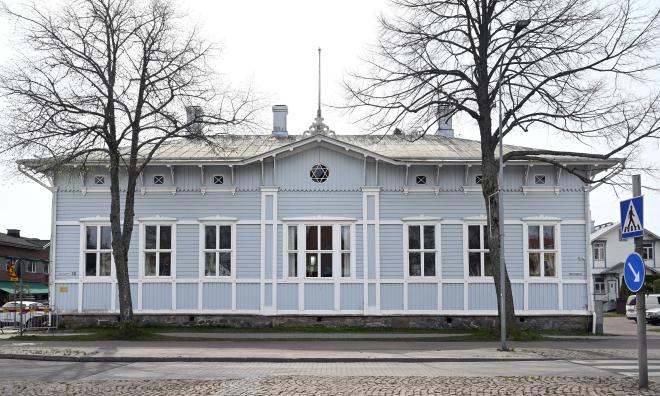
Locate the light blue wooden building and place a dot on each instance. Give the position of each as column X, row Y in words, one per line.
column 321, row 224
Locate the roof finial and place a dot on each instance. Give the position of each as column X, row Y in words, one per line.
column 318, row 127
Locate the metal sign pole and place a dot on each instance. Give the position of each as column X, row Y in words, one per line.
column 20, row 292
column 641, row 305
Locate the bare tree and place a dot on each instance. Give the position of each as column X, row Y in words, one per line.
column 109, row 80
column 560, row 64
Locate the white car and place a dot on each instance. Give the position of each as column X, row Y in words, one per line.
column 10, row 313
column 652, row 303
column 653, row 316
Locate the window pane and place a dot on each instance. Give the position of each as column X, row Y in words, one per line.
column 534, row 264
column 225, row 264
column 209, row 264
column 415, row 264
column 209, row 237
column 293, row 237
column 106, row 237
column 91, row 237
column 326, row 238
column 533, row 234
column 487, row 265
column 106, row 260
column 485, row 235
column 474, row 241
column 548, row 237
column 429, row 237
column 293, row 264
column 549, row 264
column 225, row 237
column 150, row 238
column 312, row 265
column 345, row 238
column 474, row 264
column 429, row 264
column 165, row 264
column 413, row 237
column 345, row 264
column 166, row 237
column 150, row 264
column 326, row 265
column 90, row 264
column 312, row 238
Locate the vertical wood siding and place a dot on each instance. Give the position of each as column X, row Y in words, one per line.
column 157, row 296
column 391, row 296
column 319, row 296
column 423, row 296
column 216, row 296
column 481, row 296
column 543, row 296
column 247, row 296
column 287, row 296
column 351, row 296
column 67, row 255
column 575, row 296
column 452, row 296
column 186, row 296
column 66, row 297
column 96, row 297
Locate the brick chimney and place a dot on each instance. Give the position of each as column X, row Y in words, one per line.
column 14, row 232
column 279, row 120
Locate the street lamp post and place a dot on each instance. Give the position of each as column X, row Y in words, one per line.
column 519, row 26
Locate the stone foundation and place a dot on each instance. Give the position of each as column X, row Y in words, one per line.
column 564, row 323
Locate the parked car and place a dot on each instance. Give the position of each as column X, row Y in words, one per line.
column 653, row 316
column 652, row 302
column 10, row 313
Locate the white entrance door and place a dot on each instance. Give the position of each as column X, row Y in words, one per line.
column 612, row 289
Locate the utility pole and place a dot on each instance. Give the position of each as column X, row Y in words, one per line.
column 640, row 306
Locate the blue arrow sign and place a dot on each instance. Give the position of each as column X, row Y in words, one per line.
column 634, row 272
column 632, row 217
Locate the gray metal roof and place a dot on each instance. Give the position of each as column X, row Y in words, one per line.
column 21, row 242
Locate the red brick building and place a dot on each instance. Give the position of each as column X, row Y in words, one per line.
column 35, row 255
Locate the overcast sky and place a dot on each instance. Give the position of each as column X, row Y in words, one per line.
column 273, row 45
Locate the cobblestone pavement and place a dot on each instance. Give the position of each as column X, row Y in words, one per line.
column 302, row 385
column 573, row 354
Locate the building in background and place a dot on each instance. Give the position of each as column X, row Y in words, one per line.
column 322, row 226
column 609, row 255
column 35, row 255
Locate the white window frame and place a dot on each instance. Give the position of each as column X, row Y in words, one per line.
column 602, row 287
column 407, row 250
column 161, row 178
column 99, row 178
column 419, row 178
column 31, row 267
column 143, row 250
column 599, row 246
column 479, row 179
column 336, row 251
column 557, row 251
column 646, row 249
column 98, row 251
column 483, row 230
column 203, row 250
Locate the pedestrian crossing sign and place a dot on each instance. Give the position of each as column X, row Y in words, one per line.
column 632, row 217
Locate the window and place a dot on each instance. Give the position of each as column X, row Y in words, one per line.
column 478, row 179
column 31, row 266
column 421, row 250
column 157, row 250
column 46, row 268
column 98, row 250
column 318, row 251
column 99, row 180
column 218, row 179
column 478, row 251
column 319, row 247
column 420, row 179
column 217, row 250
column 599, row 287
column 647, row 252
column 541, row 250
column 158, row 179
column 599, row 250
column 319, row 173
column 539, row 179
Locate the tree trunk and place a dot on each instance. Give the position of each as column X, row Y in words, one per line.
column 490, row 186
column 120, row 251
